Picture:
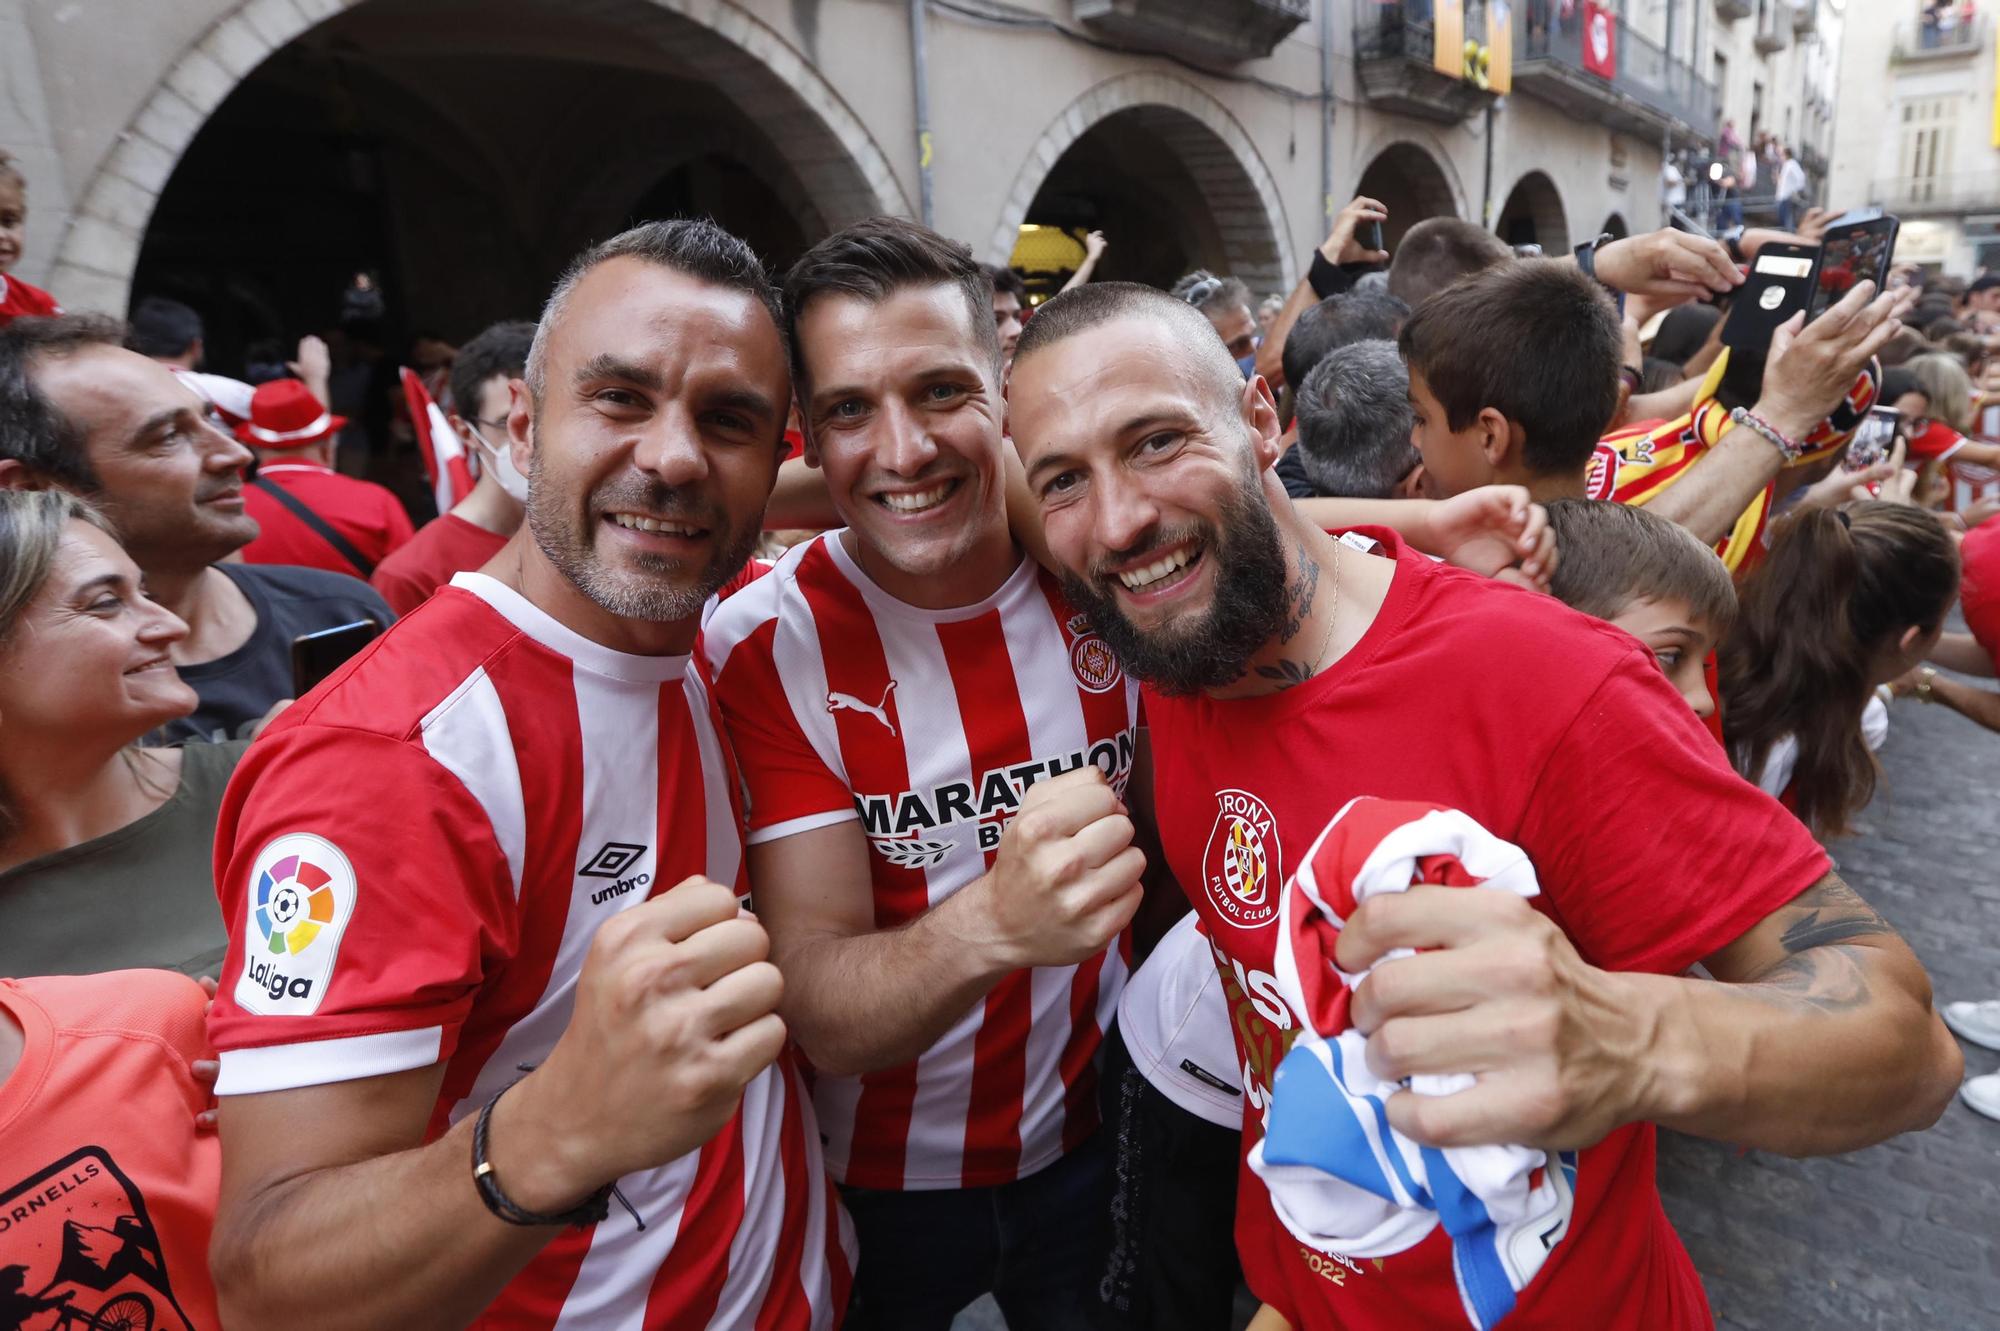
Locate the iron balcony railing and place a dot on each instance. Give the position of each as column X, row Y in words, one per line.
column 1644, row 72
column 1964, row 192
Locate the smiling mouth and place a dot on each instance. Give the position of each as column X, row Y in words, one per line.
column 153, row 664
column 1162, row 572
column 657, row 526
column 917, row 501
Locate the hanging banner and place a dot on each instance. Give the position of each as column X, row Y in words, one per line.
column 1600, row 40
column 1499, row 52
column 1448, row 26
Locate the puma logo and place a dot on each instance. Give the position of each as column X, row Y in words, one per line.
column 847, row 702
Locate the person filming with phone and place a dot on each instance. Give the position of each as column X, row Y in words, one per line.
column 78, row 412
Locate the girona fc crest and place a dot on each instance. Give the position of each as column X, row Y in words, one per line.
column 1243, row 865
column 1096, row 668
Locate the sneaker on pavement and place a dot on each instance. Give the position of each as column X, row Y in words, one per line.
column 1982, row 1094
column 1977, row 1022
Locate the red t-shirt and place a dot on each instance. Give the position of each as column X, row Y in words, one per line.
column 107, row 1191
column 1979, row 585
column 368, row 515
column 1938, row 441
column 1556, row 732
column 440, row 550
column 19, row 300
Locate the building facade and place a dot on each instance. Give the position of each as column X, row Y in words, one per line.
column 1917, row 132
column 251, row 156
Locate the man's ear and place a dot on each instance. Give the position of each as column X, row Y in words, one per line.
column 1911, row 637
column 1260, row 413
column 14, row 475
column 1412, row 484
column 521, row 425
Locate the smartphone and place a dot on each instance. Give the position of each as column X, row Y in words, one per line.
column 1369, row 235
column 1850, row 254
column 1780, row 284
column 317, row 655
column 1873, row 439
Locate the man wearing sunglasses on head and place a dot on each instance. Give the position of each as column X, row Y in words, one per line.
column 479, row 524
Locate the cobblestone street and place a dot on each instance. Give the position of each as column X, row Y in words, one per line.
column 1906, row 1235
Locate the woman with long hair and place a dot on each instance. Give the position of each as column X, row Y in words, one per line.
column 1848, row 599
column 106, row 848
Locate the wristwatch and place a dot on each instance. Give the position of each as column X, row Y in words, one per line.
column 1925, row 678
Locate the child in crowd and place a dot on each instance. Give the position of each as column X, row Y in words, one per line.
column 17, row 298
column 1650, row 577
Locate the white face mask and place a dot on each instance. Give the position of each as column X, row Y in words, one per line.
column 501, row 461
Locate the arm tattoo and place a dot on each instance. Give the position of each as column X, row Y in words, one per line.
column 1821, row 968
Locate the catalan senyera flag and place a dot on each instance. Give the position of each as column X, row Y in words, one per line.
column 1638, row 464
column 445, row 463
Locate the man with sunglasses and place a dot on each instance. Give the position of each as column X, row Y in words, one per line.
column 479, row 524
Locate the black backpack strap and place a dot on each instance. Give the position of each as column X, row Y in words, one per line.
column 292, row 504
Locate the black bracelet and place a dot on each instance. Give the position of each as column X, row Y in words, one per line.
column 1325, row 278
column 585, row 1214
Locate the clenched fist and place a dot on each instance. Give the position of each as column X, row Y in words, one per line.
column 676, row 1011
column 1066, row 878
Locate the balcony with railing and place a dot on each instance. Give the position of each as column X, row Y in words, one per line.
column 1774, row 26
column 1929, row 39
column 1196, row 29
column 1393, row 53
column 1938, row 196
column 1731, row 10
column 1805, row 16
column 1649, row 92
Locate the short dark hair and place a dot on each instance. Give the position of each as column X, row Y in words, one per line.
column 32, row 431
column 1905, row 346
column 1437, row 252
column 501, row 349
column 1899, row 383
column 1083, row 308
column 879, row 256
column 1683, row 332
column 1353, row 412
column 1983, row 283
column 1536, row 341
column 1937, row 330
column 696, row 247
column 1337, row 321
column 163, row 327
column 1615, row 555
column 1005, row 279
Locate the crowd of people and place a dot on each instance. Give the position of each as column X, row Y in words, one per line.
column 881, row 793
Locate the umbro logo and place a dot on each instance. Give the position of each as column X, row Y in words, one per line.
column 612, row 859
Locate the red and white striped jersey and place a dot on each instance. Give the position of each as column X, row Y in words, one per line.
column 412, row 865
column 927, row 726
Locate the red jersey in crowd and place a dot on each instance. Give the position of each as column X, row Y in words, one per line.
column 19, row 300
column 107, row 1191
column 441, row 549
column 1937, row 441
column 370, row 518
column 412, row 863
column 1979, row 585
column 927, row 726
column 1555, row 732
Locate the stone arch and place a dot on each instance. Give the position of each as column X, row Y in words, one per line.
column 1209, row 142
column 835, row 158
column 1616, row 226
column 1412, row 182
column 1533, row 215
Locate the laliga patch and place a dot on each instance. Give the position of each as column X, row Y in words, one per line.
column 301, row 898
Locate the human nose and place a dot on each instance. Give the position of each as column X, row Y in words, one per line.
column 1124, row 515
column 672, row 450
column 904, row 446
column 159, row 626
column 224, row 453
